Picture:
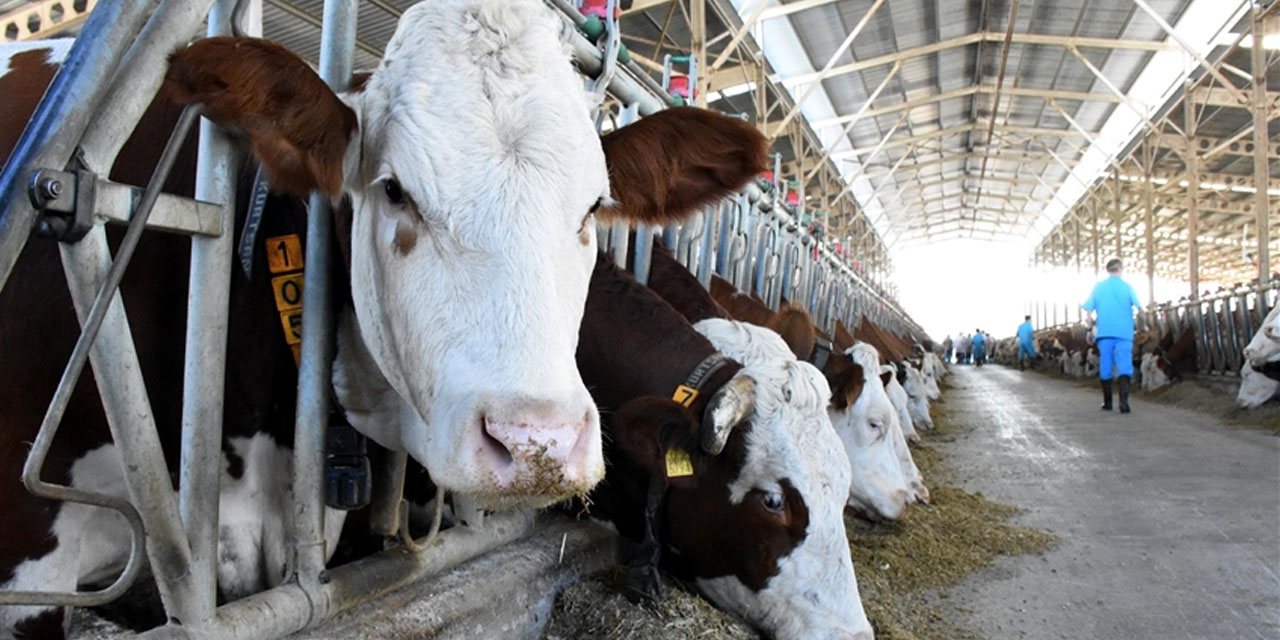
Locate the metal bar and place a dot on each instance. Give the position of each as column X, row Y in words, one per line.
column 1128, row 102
column 289, row 608
column 1148, row 195
column 68, row 106
column 698, row 47
column 862, row 162
column 831, row 62
column 337, row 44
column 205, row 356
column 94, row 281
column 1208, row 66
column 995, row 106
column 738, row 36
column 1261, row 142
column 853, row 120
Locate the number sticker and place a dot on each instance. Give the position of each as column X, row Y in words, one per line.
column 284, row 253
column 288, row 290
column 292, row 321
column 679, row 464
column 685, row 395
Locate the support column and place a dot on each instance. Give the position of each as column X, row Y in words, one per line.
column 1097, row 266
column 1117, row 214
column 1191, row 157
column 1076, row 250
column 698, row 46
column 1261, row 140
column 1148, row 196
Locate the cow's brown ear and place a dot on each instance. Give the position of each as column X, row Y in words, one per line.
column 846, row 380
column 886, row 378
column 297, row 128
column 665, row 166
column 796, row 328
column 645, row 428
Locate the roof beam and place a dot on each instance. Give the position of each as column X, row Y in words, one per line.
column 638, row 6
column 959, row 129
column 794, row 7
column 985, row 36
column 1021, row 92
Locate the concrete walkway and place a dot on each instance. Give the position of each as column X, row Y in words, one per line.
column 1168, row 522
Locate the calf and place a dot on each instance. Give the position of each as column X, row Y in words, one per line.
column 722, row 464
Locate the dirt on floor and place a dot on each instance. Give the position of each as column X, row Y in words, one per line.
column 901, row 567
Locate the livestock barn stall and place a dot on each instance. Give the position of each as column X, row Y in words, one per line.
column 686, row 382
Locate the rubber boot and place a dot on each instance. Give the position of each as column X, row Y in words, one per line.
column 1124, row 394
column 1106, row 395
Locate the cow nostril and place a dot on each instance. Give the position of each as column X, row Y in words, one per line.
column 497, row 446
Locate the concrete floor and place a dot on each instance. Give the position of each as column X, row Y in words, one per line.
column 1168, row 522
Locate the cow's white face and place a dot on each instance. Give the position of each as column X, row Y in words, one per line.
column 1266, row 342
column 865, row 429
column 791, row 451
column 472, row 179
column 917, row 390
column 1255, row 388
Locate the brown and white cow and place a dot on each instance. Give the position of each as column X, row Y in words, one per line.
column 473, row 173
column 741, row 492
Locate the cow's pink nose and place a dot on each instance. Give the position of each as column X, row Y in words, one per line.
column 541, row 452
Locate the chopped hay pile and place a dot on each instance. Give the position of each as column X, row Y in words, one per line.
column 1214, row 401
column 900, row 567
column 594, row 607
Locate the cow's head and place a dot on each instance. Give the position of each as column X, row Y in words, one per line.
column 1266, row 342
column 1255, row 388
column 474, row 173
column 775, row 551
column 864, row 420
column 917, row 389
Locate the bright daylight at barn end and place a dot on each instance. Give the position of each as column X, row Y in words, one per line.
column 559, row 319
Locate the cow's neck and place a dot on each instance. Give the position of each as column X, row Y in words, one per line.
column 632, row 344
column 1271, row 370
column 680, row 289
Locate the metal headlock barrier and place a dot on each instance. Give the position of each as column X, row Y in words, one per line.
column 55, row 182
column 1222, row 324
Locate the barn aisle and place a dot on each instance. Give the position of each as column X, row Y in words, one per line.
column 1168, row 522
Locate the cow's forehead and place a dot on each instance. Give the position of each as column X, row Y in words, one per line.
column 473, row 92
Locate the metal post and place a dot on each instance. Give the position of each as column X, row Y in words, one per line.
column 337, row 41
column 1261, row 144
column 1190, row 156
column 1097, row 255
column 1117, row 212
column 1079, row 270
column 698, row 47
column 206, row 355
column 1148, row 196
column 68, row 106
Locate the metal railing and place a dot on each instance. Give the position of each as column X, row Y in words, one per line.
column 77, row 131
column 1221, row 323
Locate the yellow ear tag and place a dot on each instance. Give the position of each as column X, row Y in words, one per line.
column 685, row 395
column 678, row 463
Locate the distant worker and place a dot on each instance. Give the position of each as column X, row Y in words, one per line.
column 1114, row 300
column 979, row 347
column 1026, row 343
column 962, row 349
column 946, row 349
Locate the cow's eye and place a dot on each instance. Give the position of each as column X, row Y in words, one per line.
column 595, row 207
column 877, row 425
column 772, row 500
column 394, row 193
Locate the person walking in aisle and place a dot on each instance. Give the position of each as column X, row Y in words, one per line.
column 1026, row 343
column 978, row 344
column 1112, row 302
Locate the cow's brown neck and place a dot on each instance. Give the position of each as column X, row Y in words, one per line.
column 633, row 344
column 680, row 288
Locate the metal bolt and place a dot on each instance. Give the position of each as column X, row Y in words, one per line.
column 50, row 188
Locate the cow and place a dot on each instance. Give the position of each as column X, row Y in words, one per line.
column 1266, row 342
column 723, row 467
column 472, row 174
column 915, row 385
column 1169, row 361
column 1258, row 385
column 894, row 376
column 860, row 408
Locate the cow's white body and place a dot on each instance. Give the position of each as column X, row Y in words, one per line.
column 1153, row 377
column 917, row 390
column 815, row 593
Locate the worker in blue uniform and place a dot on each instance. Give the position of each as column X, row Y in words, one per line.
column 1026, row 343
column 979, row 345
column 1113, row 301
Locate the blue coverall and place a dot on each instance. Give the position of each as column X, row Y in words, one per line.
column 1026, row 343
column 1114, row 300
column 978, row 343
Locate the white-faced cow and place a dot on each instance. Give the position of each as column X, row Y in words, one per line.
column 722, row 464
column 1258, row 384
column 1266, row 342
column 472, row 171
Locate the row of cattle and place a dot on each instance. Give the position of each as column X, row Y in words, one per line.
column 1161, row 357
column 479, row 330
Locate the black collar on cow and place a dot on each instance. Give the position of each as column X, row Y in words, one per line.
column 821, row 353
column 1271, row 370
column 686, row 393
